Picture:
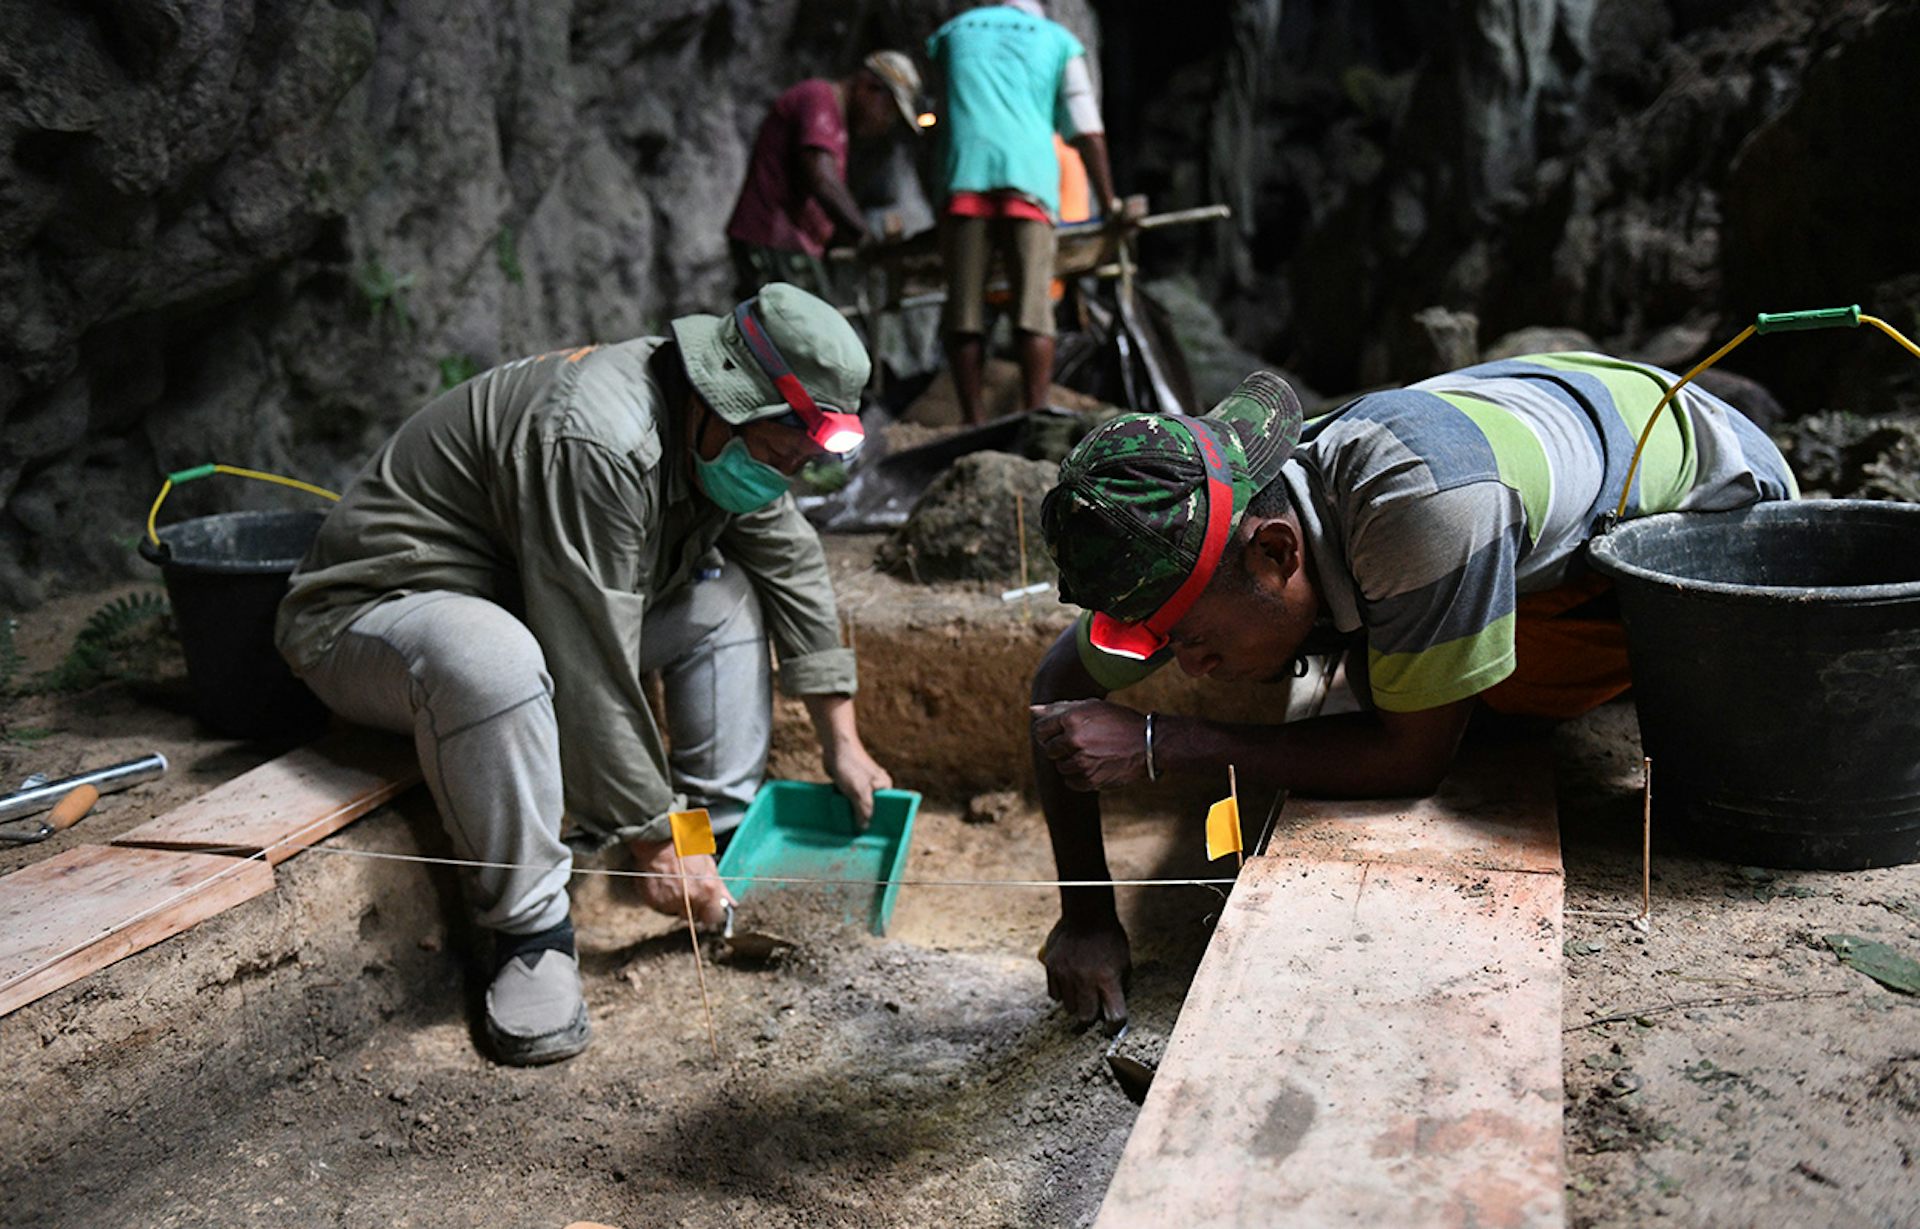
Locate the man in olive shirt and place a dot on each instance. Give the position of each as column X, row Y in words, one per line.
column 507, row 569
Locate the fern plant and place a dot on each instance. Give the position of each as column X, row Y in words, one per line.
column 105, row 645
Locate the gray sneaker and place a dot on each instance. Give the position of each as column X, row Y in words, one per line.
column 535, row 1013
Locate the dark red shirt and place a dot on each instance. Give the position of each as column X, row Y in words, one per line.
column 775, row 208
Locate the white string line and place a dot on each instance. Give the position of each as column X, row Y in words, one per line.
column 294, row 838
column 803, row 879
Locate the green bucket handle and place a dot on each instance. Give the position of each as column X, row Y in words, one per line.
column 1812, row 318
column 1764, row 322
column 207, row 471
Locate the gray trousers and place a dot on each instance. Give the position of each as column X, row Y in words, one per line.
column 469, row 682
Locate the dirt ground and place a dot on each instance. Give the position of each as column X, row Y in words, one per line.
column 308, row 1058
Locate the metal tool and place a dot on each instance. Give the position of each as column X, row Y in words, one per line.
column 65, row 814
column 751, row 946
column 1273, row 813
column 33, row 798
column 1133, row 1076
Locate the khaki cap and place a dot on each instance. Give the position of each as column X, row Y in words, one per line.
column 902, row 80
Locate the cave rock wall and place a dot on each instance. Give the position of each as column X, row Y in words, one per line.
column 261, row 232
column 1650, row 172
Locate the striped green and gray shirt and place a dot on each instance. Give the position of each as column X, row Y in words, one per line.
column 1429, row 510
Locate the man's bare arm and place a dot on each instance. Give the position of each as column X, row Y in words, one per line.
column 1095, row 745
column 1087, row 954
column 1073, row 816
column 823, row 180
column 1092, row 147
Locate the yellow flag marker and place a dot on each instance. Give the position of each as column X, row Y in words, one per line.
column 693, row 835
column 1223, row 828
column 692, row 832
column 1223, row 822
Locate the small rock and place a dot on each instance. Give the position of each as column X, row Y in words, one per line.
column 994, row 807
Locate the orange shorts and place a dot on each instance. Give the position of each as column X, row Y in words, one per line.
column 1566, row 661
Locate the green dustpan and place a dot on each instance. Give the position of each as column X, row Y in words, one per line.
column 796, row 829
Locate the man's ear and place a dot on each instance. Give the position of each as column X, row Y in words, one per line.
column 1273, row 553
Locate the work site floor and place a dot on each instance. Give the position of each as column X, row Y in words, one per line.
column 308, row 1058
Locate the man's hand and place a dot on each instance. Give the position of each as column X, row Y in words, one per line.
column 1093, row 744
column 709, row 895
column 844, row 756
column 857, row 775
column 1087, row 969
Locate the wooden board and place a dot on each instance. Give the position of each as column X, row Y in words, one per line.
column 1364, row 1044
column 81, row 910
column 289, row 803
column 1373, row 1036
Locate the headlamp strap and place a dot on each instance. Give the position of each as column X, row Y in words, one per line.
column 1219, row 526
column 771, row 361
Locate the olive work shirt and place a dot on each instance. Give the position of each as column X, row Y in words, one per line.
column 560, row 488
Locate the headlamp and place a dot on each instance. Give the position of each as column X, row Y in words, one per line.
column 831, row 429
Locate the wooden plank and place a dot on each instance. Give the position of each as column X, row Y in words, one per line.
column 1495, row 811
column 1365, row 1043
column 289, row 803
column 83, row 909
column 1374, row 1034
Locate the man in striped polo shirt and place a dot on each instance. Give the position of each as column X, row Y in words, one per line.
column 1438, row 531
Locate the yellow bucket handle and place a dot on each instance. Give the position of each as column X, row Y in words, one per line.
column 1765, row 322
column 204, row 471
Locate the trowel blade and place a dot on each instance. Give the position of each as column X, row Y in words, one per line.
column 1133, row 1076
column 753, row 947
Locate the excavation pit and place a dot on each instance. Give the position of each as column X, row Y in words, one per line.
column 310, row 1056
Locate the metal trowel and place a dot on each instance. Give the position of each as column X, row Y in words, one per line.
column 1133, row 1076
column 751, row 946
column 71, row 797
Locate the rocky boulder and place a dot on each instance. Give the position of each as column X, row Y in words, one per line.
column 966, row 526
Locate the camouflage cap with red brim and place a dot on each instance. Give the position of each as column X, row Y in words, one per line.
column 1126, row 520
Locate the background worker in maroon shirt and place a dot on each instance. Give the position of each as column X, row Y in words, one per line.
column 795, row 197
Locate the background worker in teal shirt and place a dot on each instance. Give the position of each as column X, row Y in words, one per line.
column 1007, row 78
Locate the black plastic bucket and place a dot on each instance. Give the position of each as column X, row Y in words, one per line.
column 225, row 577
column 1776, row 670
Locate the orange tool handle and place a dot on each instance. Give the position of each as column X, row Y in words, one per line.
column 71, row 809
